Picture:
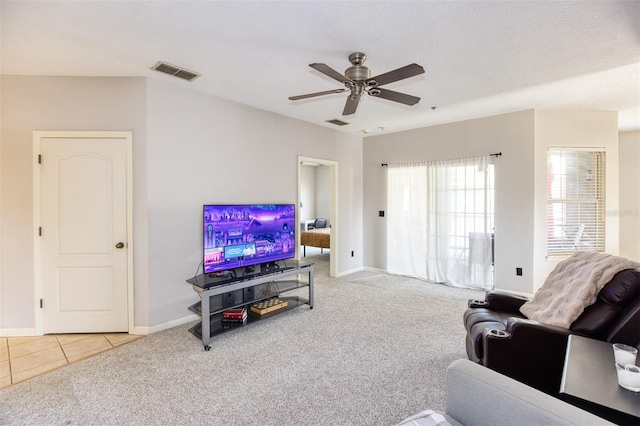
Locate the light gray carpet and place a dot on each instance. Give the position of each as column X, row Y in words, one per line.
column 372, row 351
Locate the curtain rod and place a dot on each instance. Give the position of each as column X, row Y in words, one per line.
column 497, row 154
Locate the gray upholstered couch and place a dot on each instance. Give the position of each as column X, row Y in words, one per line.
column 476, row 395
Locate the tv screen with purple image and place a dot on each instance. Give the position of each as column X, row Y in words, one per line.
column 240, row 235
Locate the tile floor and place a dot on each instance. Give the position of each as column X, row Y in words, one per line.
column 22, row 358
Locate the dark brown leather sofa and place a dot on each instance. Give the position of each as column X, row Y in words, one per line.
column 501, row 338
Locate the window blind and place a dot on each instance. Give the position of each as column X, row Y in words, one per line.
column 575, row 200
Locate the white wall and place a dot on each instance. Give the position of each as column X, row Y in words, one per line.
column 629, row 213
column 521, row 173
column 512, row 134
column 188, row 149
column 573, row 129
column 61, row 103
column 203, row 149
column 323, row 193
column 307, row 192
column 315, row 192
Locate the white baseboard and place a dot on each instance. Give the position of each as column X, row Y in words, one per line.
column 350, row 271
column 165, row 325
column 17, row 332
column 378, row 270
column 137, row 330
column 140, row 331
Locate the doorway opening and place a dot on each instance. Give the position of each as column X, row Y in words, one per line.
column 318, row 200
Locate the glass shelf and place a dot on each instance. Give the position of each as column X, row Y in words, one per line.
column 273, row 289
column 206, row 281
column 217, row 326
column 219, row 293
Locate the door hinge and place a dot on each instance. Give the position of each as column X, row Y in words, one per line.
column 40, row 231
column 41, row 304
column 39, row 158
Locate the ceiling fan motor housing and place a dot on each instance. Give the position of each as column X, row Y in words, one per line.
column 358, row 73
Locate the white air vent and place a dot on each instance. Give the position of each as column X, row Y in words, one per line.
column 337, row 122
column 175, row 71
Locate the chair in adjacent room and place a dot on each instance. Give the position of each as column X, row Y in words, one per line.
column 319, row 223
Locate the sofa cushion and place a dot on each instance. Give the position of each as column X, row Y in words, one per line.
column 477, row 395
column 428, row 418
column 622, row 288
column 597, row 318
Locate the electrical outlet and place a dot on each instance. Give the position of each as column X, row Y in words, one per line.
column 381, row 213
column 518, row 271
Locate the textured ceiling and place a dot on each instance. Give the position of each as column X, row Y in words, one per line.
column 481, row 58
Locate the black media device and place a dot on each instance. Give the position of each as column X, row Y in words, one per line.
column 248, row 294
column 229, row 299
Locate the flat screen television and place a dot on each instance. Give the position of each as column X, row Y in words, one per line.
column 239, row 235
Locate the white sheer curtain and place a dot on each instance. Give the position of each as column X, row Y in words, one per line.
column 406, row 224
column 440, row 221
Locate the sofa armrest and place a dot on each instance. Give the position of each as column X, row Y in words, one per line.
column 527, row 351
column 505, row 302
column 476, row 395
column 500, row 301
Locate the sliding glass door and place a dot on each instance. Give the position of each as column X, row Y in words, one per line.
column 440, row 221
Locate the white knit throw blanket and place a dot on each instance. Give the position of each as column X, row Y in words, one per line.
column 573, row 285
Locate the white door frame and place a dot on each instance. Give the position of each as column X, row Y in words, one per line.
column 333, row 219
column 38, row 136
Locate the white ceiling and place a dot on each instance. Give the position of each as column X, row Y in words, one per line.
column 481, row 57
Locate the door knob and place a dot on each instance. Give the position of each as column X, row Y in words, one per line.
column 120, row 245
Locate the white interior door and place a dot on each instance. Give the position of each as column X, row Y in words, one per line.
column 84, row 231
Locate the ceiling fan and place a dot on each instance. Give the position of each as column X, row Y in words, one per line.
column 357, row 80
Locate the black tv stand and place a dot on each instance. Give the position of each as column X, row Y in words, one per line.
column 269, row 267
column 244, row 288
column 223, row 274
